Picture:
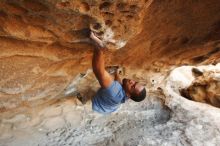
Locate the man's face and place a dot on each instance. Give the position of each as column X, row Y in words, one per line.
column 132, row 87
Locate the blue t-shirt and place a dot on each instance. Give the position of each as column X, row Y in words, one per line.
column 108, row 100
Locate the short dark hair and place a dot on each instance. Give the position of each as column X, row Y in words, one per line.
column 140, row 97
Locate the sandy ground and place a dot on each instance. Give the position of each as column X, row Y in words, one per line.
column 164, row 118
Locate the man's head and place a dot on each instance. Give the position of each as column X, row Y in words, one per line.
column 134, row 90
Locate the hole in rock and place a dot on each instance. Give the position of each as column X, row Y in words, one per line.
column 119, row 20
column 215, row 50
column 108, row 22
column 199, row 59
column 100, row 33
column 125, row 11
column 63, row 4
column 183, row 40
column 105, row 6
column 129, row 16
column 97, row 26
column 204, row 57
column 108, row 14
column 134, row 8
column 121, row 6
column 196, row 72
column 85, row 6
column 201, row 84
column 79, row 33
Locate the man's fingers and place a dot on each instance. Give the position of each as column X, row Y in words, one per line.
column 96, row 39
column 93, row 36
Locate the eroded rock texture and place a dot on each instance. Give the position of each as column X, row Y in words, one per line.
column 45, row 44
column 45, row 56
column 163, row 118
column 205, row 88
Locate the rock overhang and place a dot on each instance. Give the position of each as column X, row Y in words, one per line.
column 45, row 44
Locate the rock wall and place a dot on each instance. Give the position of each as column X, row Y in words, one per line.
column 163, row 118
column 45, row 71
column 45, row 44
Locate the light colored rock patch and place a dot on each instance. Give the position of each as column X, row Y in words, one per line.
column 71, row 89
column 6, row 131
column 51, row 112
column 108, row 37
column 74, row 118
column 53, row 123
column 15, row 119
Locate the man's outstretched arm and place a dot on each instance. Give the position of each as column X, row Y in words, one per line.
column 98, row 64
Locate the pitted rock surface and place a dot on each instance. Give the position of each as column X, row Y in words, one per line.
column 45, row 44
column 45, row 70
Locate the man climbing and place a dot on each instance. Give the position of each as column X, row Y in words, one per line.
column 112, row 92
